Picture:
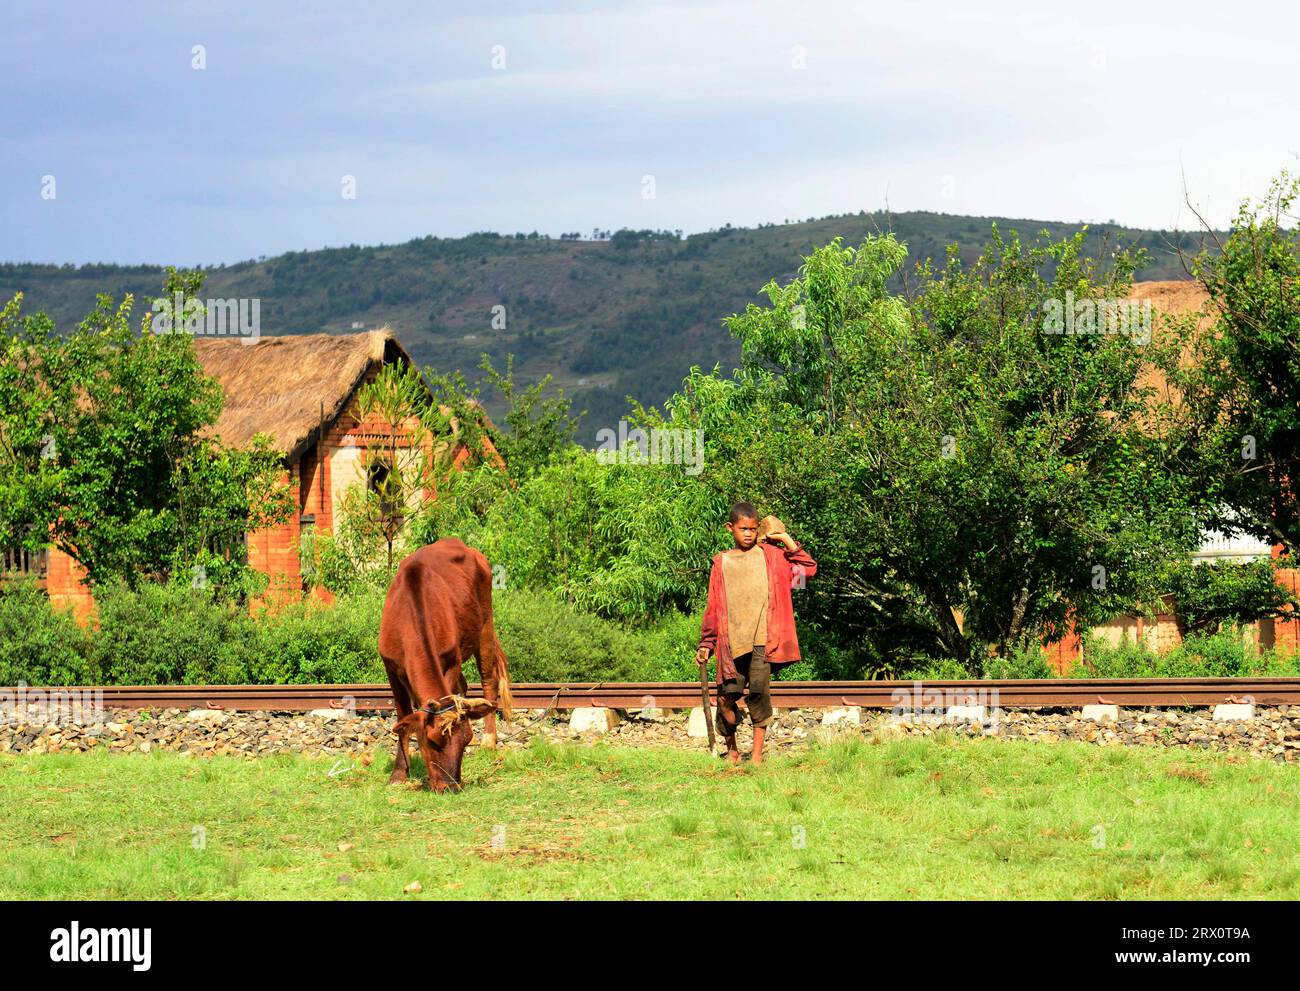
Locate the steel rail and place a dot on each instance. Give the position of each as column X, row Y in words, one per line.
column 1025, row 693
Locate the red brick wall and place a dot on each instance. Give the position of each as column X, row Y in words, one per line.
column 1063, row 654
column 274, row 552
column 64, row 586
column 1286, row 632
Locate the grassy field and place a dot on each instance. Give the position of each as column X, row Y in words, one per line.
column 933, row 818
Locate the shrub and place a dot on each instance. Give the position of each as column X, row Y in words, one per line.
column 824, row 658
column 40, row 645
column 1126, row 660
column 667, row 649
column 1219, row 655
column 937, row 669
column 308, row 643
column 171, row 634
column 1025, row 663
column 546, row 639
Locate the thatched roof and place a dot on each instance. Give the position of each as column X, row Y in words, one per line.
column 282, row 385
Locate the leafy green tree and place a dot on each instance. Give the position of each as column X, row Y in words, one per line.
column 1205, row 597
column 970, row 482
column 398, row 459
column 105, row 447
column 537, row 426
column 36, row 384
column 1245, row 382
column 625, row 541
column 491, row 458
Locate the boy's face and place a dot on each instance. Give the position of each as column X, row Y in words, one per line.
column 744, row 531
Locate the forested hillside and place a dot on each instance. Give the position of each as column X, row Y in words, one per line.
column 610, row 316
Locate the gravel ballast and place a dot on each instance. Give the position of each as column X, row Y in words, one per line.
column 1274, row 733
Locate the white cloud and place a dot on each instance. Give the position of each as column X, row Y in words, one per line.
column 1031, row 110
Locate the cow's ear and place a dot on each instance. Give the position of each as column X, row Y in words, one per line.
column 411, row 722
column 479, row 708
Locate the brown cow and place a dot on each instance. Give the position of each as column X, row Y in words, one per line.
column 439, row 612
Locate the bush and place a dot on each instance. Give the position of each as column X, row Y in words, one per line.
column 1026, row 663
column 171, row 634
column 309, row 643
column 937, row 669
column 1219, row 655
column 40, row 645
column 832, row 656
column 546, row 639
column 1126, row 660
column 667, row 649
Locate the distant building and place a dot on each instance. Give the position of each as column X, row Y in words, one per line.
column 302, row 391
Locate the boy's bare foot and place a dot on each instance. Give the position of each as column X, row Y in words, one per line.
column 759, row 733
column 733, row 752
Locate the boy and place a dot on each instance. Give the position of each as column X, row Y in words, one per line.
column 749, row 619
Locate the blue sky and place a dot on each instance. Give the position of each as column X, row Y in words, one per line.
column 742, row 112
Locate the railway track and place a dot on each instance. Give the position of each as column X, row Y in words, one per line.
column 1047, row 693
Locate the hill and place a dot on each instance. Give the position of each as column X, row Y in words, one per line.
column 626, row 314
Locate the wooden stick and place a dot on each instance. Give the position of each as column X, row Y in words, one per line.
column 708, row 706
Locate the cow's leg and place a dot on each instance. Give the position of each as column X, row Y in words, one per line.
column 401, row 699
column 405, row 726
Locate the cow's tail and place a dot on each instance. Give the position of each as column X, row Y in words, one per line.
column 505, row 701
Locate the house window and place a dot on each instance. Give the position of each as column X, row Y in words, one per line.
column 307, row 550
column 389, row 506
column 17, row 563
column 233, row 545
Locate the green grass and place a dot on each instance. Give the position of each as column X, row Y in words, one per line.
column 933, row 818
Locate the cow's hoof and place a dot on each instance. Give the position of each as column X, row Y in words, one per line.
column 396, row 777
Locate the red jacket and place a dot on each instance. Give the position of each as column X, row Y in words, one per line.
column 785, row 569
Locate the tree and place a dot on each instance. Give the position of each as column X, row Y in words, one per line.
column 1205, row 597
column 537, row 426
column 397, row 461
column 104, row 449
column 1245, row 383
column 973, row 483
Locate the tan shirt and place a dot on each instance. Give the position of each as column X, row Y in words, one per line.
column 744, row 575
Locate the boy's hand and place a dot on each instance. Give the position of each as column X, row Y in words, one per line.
column 773, row 531
column 702, row 656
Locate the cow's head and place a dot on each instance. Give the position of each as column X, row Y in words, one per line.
column 443, row 732
column 439, row 723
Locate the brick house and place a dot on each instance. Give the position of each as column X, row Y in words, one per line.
column 302, row 391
